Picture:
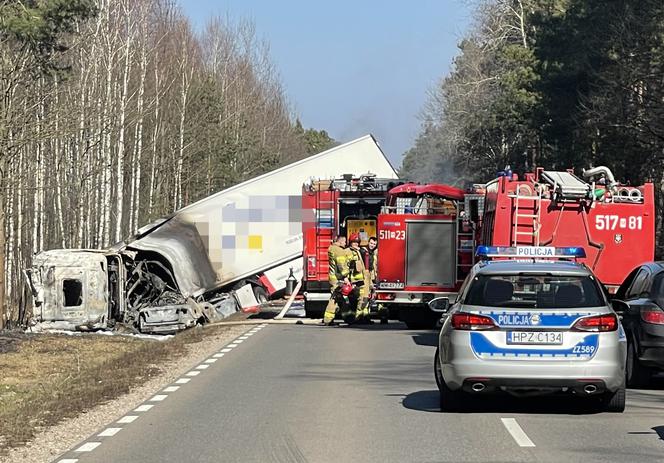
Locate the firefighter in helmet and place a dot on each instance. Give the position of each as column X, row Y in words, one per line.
column 360, row 278
column 370, row 256
column 338, row 257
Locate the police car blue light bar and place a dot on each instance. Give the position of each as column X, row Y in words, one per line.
column 530, row 252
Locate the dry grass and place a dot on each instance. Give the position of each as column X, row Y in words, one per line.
column 46, row 378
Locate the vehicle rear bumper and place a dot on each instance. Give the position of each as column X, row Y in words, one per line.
column 652, row 357
column 652, row 346
column 607, row 367
column 414, row 297
column 536, row 375
column 588, row 386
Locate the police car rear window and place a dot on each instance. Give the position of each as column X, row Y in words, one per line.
column 537, row 291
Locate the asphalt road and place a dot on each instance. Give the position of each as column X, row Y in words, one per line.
column 296, row 393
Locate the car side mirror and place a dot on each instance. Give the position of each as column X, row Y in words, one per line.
column 619, row 306
column 440, row 304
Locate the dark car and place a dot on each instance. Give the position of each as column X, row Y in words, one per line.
column 640, row 301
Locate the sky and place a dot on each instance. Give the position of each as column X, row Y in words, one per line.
column 354, row 67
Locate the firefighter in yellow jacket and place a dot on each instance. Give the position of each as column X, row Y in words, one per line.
column 338, row 257
column 360, row 277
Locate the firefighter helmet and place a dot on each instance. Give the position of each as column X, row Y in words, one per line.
column 354, row 237
column 346, row 289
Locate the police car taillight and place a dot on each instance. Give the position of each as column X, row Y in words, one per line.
column 654, row 316
column 469, row 321
column 597, row 323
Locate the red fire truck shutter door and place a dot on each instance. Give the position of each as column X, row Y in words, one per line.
column 431, row 253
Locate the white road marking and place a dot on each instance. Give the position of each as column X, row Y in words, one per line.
column 517, row 433
column 512, row 426
column 88, row 447
column 127, row 419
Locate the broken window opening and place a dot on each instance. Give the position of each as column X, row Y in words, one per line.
column 73, row 292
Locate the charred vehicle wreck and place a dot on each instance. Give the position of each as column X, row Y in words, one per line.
column 130, row 284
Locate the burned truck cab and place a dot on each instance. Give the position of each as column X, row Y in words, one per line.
column 79, row 289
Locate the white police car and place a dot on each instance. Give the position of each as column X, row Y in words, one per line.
column 529, row 327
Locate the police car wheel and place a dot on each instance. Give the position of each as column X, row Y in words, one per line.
column 437, row 373
column 450, row 401
column 614, row 402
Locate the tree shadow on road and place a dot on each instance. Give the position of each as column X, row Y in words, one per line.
column 428, row 401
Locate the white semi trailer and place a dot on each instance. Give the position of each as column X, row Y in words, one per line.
column 172, row 271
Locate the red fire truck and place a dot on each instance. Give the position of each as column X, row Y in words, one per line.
column 614, row 223
column 341, row 206
column 426, row 248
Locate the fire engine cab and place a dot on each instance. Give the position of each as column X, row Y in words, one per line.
column 614, row 223
column 425, row 250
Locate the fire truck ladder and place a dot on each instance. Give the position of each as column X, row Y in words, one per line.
column 322, row 221
column 526, row 223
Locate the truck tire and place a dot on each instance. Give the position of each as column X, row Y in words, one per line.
column 419, row 318
column 314, row 309
column 636, row 374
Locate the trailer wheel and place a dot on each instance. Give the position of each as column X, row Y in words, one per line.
column 260, row 294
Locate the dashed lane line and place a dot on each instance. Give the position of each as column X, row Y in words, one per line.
column 127, row 419
column 112, row 431
column 517, row 433
column 88, row 447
